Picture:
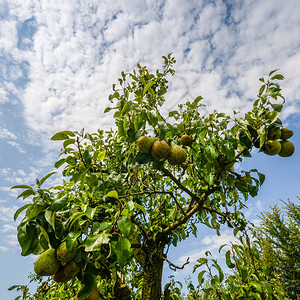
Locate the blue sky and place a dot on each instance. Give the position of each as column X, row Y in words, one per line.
column 59, row 60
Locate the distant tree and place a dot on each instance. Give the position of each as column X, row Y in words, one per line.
column 279, row 233
column 251, row 277
column 128, row 193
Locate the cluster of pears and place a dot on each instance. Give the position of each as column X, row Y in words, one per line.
column 161, row 150
column 58, row 262
column 278, row 143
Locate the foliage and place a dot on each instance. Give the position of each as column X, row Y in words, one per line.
column 251, row 278
column 279, row 233
column 123, row 207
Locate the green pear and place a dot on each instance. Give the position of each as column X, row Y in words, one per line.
column 272, row 147
column 47, row 263
column 286, row 133
column 93, row 296
column 144, row 143
column 274, row 134
column 287, row 149
column 60, row 276
column 160, row 150
column 186, row 140
column 177, row 155
column 71, row 269
column 65, row 255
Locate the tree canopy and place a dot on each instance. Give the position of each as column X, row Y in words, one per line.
column 150, row 181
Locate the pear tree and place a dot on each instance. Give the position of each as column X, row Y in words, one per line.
column 149, row 182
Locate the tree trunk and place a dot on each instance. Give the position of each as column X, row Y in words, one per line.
column 152, row 271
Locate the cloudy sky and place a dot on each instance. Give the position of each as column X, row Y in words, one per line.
column 59, row 60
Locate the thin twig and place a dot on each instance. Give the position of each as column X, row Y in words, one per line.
column 174, row 267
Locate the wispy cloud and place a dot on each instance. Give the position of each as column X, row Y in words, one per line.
column 78, row 50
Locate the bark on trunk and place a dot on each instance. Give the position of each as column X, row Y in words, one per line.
column 152, row 272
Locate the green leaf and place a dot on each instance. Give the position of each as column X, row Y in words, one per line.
column 147, row 87
column 50, row 217
column 87, row 158
column 68, row 142
column 90, row 212
column 28, row 239
column 72, row 238
column 221, row 274
column 123, row 250
column 277, row 107
column 20, row 210
column 101, row 155
column 261, row 90
column 200, row 277
column 46, row 177
column 107, row 109
column 94, row 241
column 121, row 129
column 127, row 107
column 89, row 284
column 59, row 163
column 112, row 194
column 13, row 287
column 124, row 224
column 143, row 158
column 273, row 72
column 245, row 140
column 59, row 204
column 75, row 217
column 140, row 207
column 21, row 186
column 62, row 135
column 228, row 260
column 26, row 194
column 278, row 77
column 257, row 286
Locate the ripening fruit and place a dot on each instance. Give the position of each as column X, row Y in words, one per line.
column 47, row 263
column 286, row 133
column 186, row 140
column 93, row 296
column 272, row 147
column 71, row 269
column 65, row 255
column 274, row 134
column 287, row 149
column 160, row 150
column 177, row 155
column 144, row 143
column 60, row 276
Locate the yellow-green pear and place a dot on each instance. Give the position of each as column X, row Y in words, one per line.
column 287, row 148
column 47, row 263
column 272, row 147
column 71, row 269
column 65, row 255
column 286, row 133
column 144, row 143
column 160, row 150
column 177, row 155
column 274, row 134
column 186, row 140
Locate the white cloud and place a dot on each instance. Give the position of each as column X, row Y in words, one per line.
column 7, row 213
column 79, row 50
column 7, row 228
column 3, row 248
column 6, row 134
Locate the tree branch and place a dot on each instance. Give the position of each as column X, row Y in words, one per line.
column 174, row 267
column 178, row 183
